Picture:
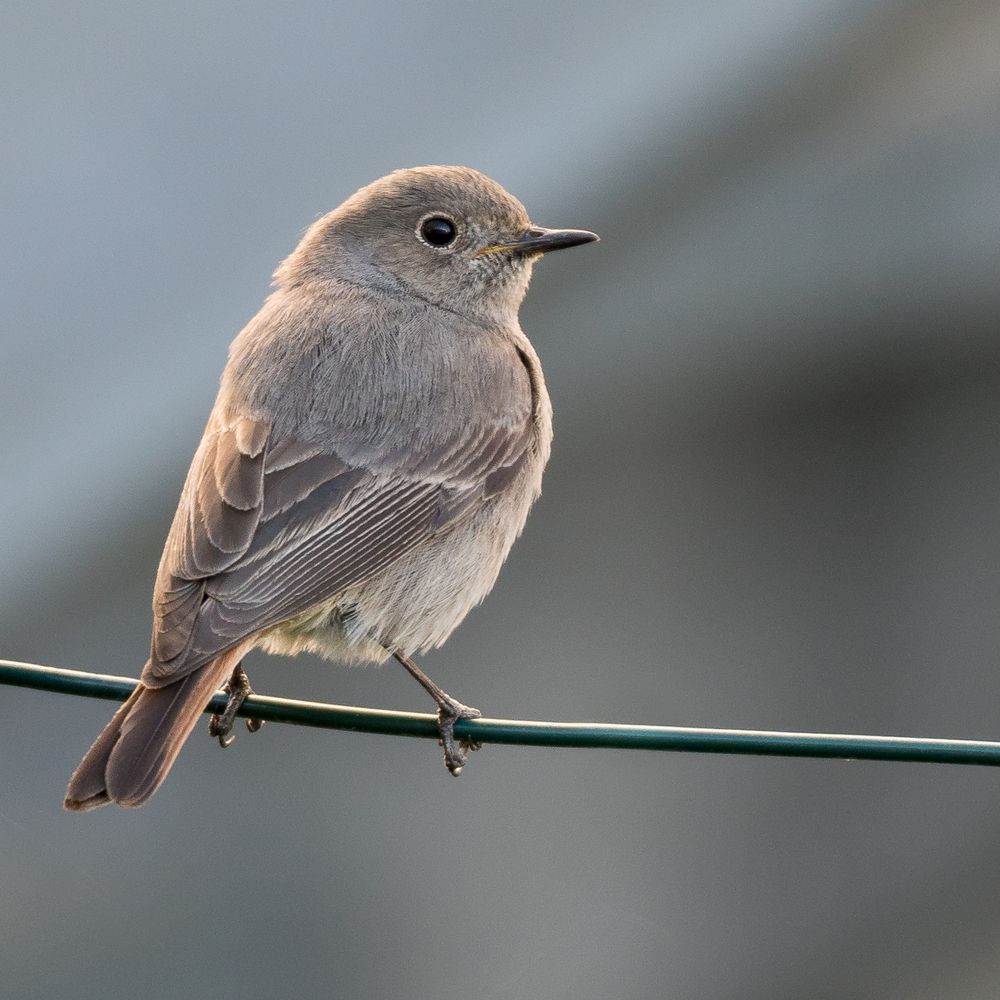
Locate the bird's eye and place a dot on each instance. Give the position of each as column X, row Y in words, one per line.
column 438, row 231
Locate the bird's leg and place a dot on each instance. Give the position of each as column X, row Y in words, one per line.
column 449, row 712
column 238, row 688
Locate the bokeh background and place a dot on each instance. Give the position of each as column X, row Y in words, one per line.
column 772, row 503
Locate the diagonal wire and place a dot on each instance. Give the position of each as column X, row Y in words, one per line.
column 546, row 734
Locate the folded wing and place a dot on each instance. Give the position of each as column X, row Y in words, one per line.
column 268, row 527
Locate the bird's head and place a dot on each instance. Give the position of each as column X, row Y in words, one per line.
column 447, row 235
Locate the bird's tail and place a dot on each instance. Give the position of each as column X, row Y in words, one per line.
column 137, row 748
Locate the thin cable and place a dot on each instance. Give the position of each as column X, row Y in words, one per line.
column 542, row 734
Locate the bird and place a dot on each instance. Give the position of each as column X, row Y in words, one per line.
column 379, row 436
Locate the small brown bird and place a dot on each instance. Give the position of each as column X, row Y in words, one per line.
column 378, row 439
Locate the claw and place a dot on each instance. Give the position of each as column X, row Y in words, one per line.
column 456, row 752
column 221, row 725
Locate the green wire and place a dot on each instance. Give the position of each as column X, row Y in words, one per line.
column 543, row 734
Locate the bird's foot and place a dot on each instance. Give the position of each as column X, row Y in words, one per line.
column 456, row 752
column 238, row 688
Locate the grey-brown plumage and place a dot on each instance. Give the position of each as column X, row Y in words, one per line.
column 378, row 439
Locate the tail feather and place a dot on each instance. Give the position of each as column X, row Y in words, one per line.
column 87, row 789
column 137, row 748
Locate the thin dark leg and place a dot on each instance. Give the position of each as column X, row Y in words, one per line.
column 238, row 688
column 449, row 712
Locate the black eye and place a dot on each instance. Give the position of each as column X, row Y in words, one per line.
column 438, row 231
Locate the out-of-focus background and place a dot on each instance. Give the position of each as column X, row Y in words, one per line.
column 773, row 500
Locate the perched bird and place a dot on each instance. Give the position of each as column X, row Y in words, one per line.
column 378, row 439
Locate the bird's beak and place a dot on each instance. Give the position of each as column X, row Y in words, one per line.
column 538, row 240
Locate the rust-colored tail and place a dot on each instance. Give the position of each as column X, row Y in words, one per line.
column 137, row 748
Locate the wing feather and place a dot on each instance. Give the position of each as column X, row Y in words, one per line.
column 291, row 484
column 269, row 526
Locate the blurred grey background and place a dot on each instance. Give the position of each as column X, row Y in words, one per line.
column 772, row 503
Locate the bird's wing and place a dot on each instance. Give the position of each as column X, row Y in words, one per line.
column 266, row 528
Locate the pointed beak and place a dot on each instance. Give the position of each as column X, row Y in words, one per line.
column 538, row 240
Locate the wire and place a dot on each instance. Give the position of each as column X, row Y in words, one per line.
column 545, row 734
